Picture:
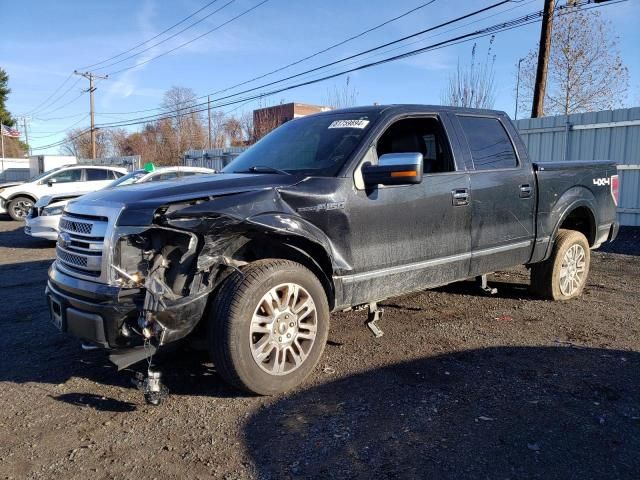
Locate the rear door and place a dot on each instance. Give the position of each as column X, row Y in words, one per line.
column 502, row 194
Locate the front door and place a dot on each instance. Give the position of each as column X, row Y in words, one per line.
column 410, row 237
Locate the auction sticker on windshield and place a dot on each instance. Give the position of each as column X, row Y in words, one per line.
column 349, row 124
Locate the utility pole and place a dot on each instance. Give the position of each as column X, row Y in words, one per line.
column 515, row 116
column 26, row 134
column 209, row 116
column 544, row 51
column 91, row 77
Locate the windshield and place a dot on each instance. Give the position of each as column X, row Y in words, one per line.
column 317, row 145
column 129, row 178
column 42, row 175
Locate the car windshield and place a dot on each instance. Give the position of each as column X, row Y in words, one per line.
column 317, row 145
column 129, row 178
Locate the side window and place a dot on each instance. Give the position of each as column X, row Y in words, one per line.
column 67, row 176
column 115, row 174
column 422, row 135
column 95, row 174
column 489, row 143
column 164, row 176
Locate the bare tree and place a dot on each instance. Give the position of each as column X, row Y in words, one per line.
column 586, row 72
column 78, row 143
column 217, row 129
column 342, row 96
column 473, row 86
column 233, row 131
column 187, row 123
column 248, row 127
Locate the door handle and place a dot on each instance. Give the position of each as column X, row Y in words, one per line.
column 525, row 190
column 460, row 197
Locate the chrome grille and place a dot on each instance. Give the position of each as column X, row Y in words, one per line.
column 75, row 226
column 80, row 245
column 70, row 258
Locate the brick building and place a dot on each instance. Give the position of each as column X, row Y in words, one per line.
column 266, row 119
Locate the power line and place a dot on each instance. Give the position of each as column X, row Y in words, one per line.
column 190, row 41
column 455, row 20
column 520, row 21
column 52, row 102
column 324, row 50
column 66, row 117
column 350, row 57
column 455, row 40
column 504, row 26
column 331, row 47
column 50, row 96
column 87, row 67
column 68, row 127
column 166, row 39
column 74, row 99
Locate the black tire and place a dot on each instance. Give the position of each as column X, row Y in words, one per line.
column 545, row 276
column 18, row 208
column 229, row 333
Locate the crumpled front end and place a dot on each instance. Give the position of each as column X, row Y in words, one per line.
column 150, row 284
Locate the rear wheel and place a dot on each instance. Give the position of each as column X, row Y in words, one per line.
column 19, row 207
column 268, row 326
column 564, row 275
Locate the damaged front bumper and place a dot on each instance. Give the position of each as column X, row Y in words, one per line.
column 107, row 316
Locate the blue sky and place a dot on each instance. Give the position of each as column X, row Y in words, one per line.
column 43, row 41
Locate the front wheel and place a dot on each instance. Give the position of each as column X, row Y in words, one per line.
column 564, row 275
column 19, row 207
column 268, row 326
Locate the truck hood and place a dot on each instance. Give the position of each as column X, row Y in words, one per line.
column 140, row 201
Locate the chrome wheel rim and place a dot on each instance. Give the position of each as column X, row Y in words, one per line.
column 572, row 270
column 283, row 329
column 21, row 208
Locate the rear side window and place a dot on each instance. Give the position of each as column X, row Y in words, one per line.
column 94, row 174
column 489, row 143
column 164, row 176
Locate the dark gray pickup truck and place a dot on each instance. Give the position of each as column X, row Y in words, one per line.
column 333, row 211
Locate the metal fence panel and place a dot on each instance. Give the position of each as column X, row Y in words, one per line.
column 216, row 158
column 131, row 162
column 605, row 135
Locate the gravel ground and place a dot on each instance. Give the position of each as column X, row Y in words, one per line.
column 460, row 386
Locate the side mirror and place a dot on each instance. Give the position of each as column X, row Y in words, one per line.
column 51, row 181
column 394, row 169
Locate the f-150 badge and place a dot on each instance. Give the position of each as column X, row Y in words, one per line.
column 323, row 207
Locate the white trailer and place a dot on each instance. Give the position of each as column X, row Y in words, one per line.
column 43, row 163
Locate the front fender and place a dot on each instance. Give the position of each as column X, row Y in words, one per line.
column 294, row 225
column 246, row 213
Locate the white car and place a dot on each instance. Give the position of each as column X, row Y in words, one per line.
column 43, row 218
column 18, row 200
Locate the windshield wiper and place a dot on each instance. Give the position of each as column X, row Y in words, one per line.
column 264, row 169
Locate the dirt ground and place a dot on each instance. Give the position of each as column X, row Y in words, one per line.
column 460, row 386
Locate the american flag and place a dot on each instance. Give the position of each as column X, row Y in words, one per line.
column 9, row 132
